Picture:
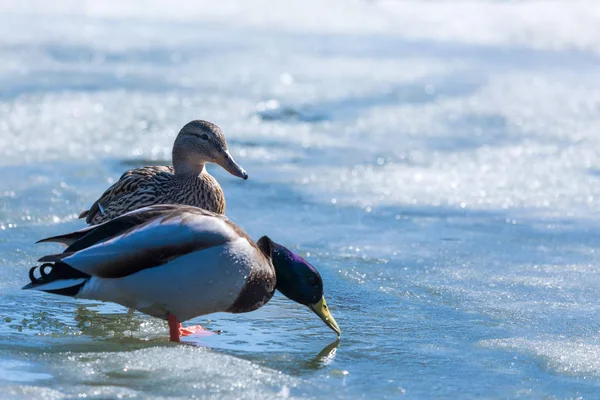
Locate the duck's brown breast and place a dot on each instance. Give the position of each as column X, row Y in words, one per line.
column 202, row 191
column 258, row 290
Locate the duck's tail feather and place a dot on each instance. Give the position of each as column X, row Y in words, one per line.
column 57, row 278
column 84, row 214
column 55, row 257
column 68, row 238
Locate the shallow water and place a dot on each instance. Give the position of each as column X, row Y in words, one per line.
column 437, row 162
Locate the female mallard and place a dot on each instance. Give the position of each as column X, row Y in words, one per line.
column 178, row 262
column 186, row 182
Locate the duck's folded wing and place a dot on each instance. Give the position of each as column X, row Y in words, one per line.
column 172, row 232
column 127, row 184
column 109, row 194
column 91, row 235
column 124, row 223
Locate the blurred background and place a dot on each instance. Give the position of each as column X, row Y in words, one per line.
column 437, row 161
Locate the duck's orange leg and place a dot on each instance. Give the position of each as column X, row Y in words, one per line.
column 176, row 331
column 174, row 326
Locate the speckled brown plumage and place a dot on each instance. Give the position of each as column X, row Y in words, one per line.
column 186, row 183
column 146, row 186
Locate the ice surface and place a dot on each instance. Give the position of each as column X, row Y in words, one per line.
column 436, row 160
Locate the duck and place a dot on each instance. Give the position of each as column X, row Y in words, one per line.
column 186, row 182
column 177, row 262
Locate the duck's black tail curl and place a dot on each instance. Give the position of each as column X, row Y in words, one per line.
column 57, row 278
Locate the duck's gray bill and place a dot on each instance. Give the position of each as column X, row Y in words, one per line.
column 231, row 166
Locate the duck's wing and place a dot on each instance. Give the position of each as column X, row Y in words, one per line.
column 145, row 238
column 129, row 183
column 92, row 234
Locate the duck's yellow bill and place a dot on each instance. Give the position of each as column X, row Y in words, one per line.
column 322, row 311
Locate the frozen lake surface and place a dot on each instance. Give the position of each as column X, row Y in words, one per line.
column 438, row 162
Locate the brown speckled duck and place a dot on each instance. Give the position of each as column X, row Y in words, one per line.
column 186, row 182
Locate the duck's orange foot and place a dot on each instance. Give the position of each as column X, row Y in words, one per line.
column 194, row 330
column 176, row 331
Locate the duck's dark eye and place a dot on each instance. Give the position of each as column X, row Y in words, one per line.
column 204, row 136
column 312, row 281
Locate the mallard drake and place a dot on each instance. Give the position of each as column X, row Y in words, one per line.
column 177, row 262
column 186, row 182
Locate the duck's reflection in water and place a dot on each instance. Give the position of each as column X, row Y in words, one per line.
column 325, row 356
column 134, row 330
column 120, row 326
